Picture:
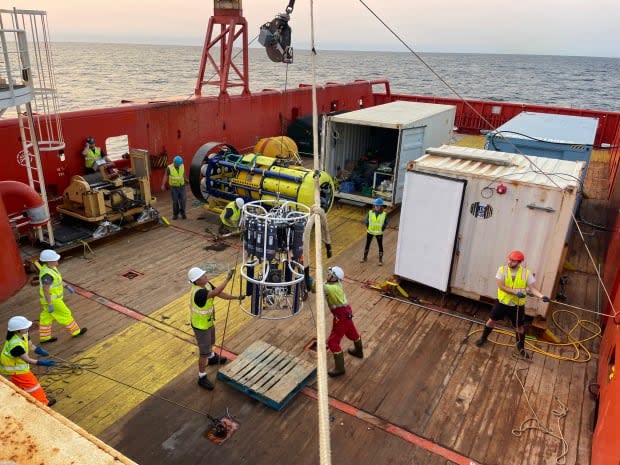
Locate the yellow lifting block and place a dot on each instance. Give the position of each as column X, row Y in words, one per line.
column 393, row 288
column 550, row 337
column 568, row 266
column 215, row 205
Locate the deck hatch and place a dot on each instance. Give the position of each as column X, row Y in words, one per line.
column 132, row 274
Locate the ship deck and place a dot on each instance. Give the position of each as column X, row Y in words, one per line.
column 423, row 394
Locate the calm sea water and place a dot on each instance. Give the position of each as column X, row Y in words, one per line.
column 101, row 75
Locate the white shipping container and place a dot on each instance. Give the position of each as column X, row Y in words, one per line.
column 458, row 225
column 394, row 134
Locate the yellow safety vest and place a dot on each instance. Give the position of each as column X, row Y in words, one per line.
column 56, row 289
column 201, row 317
column 10, row 365
column 334, row 294
column 176, row 177
column 375, row 223
column 233, row 221
column 518, row 283
column 91, row 156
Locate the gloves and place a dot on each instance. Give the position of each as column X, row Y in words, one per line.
column 544, row 298
column 520, row 294
column 50, row 308
column 230, row 274
column 46, row 363
column 328, row 248
column 41, row 351
column 69, row 289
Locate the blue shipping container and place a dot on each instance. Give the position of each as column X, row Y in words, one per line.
column 546, row 135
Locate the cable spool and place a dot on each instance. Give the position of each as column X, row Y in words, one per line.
column 219, row 170
column 271, row 258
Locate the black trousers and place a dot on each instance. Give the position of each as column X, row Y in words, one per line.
column 369, row 240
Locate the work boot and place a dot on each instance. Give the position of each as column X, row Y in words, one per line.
column 521, row 352
column 358, row 351
column 47, row 341
column 82, row 331
column 365, row 256
column 183, row 217
column 380, row 258
column 205, row 383
column 338, row 365
column 216, row 359
column 485, row 335
column 50, row 401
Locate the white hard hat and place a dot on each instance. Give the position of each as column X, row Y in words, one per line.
column 48, row 255
column 240, row 202
column 18, row 323
column 195, row 273
column 337, row 272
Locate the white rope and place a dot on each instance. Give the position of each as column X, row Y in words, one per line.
column 517, row 151
column 324, row 438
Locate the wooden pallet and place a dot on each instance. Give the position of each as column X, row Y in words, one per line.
column 267, row 374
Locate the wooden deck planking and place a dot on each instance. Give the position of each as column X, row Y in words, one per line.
column 382, row 365
column 492, row 399
column 432, row 362
column 450, row 413
column 393, row 332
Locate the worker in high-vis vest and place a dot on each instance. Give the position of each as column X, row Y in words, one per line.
column 93, row 155
column 342, row 324
column 175, row 179
column 15, row 361
column 514, row 280
column 51, row 297
column 231, row 217
column 202, row 317
column 376, row 222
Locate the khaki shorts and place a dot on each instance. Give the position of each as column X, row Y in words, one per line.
column 205, row 339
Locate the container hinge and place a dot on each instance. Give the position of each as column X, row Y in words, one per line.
column 533, row 206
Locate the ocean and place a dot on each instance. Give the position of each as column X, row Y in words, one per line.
column 101, row 75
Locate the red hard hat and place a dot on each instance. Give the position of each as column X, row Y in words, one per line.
column 516, row 255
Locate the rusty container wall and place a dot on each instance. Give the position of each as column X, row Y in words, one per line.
column 506, row 204
column 12, row 273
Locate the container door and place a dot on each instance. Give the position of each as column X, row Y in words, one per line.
column 429, row 222
column 411, row 147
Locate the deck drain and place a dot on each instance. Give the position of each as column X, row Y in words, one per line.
column 311, row 346
column 221, row 430
column 132, row 274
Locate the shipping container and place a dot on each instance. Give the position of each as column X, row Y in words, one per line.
column 465, row 209
column 546, row 135
column 367, row 150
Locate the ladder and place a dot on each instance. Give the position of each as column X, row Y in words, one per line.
column 31, row 85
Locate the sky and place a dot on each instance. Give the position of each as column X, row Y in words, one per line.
column 541, row 27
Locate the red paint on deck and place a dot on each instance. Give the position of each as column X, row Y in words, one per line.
column 394, row 430
column 138, row 316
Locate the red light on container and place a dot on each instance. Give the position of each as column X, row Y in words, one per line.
column 501, row 189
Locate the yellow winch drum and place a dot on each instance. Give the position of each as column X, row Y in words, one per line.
column 219, row 170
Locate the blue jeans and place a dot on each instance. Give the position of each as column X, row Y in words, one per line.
column 179, row 197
